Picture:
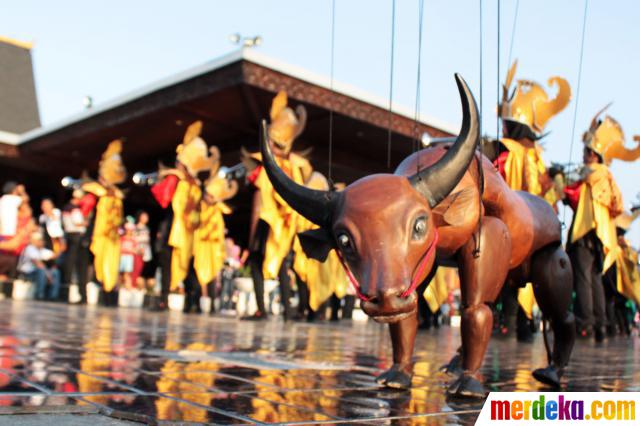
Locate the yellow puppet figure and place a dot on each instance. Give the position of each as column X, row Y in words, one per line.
column 525, row 112
column 209, row 248
column 107, row 198
column 282, row 219
column 179, row 188
column 274, row 223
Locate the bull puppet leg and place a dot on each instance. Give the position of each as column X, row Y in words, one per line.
column 482, row 275
column 552, row 279
column 403, row 337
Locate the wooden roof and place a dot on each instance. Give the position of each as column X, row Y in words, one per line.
column 231, row 96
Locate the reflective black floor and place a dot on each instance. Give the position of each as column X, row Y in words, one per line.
column 147, row 367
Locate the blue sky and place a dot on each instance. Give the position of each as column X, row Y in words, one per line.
column 106, row 49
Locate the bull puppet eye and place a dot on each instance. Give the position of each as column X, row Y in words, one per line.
column 419, row 228
column 345, row 243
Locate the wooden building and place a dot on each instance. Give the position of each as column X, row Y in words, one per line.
column 231, row 95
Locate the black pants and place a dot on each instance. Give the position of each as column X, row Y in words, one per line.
column 76, row 261
column 164, row 261
column 256, row 260
column 192, row 291
column 624, row 316
column 609, row 281
column 303, row 297
column 589, row 308
column 110, row 299
column 514, row 317
column 345, row 304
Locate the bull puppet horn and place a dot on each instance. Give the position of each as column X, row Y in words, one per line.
column 437, row 181
column 316, row 206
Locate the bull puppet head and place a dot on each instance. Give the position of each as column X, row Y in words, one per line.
column 382, row 224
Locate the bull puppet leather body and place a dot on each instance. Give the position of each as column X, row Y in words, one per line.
column 383, row 226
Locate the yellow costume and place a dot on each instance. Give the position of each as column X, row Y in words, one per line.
column 628, row 277
column 192, row 154
column 600, row 199
column 524, row 170
column 600, row 202
column 445, row 281
column 185, row 221
column 105, row 241
column 322, row 278
column 282, row 219
column 209, row 250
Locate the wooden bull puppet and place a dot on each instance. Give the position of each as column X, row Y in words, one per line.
column 390, row 230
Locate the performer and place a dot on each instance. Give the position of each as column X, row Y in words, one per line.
column 209, row 250
column 596, row 201
column 445, row 281
column 624, row 278
column 273, row 221
column 525, row 111
column 179, row 188
column 320, row 281
column 107, row 198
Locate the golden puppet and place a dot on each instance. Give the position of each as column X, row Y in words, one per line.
column 107, row 198
column 209, row 244
column 178, row 191
column 274, row 223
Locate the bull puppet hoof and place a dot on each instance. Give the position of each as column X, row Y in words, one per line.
column 454, row 366
column 395, row 378
column 466, row 386
column 549, row 376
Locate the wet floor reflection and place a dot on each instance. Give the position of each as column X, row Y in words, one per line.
column 189, row 368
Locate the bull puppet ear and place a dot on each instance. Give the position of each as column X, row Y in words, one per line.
column 316, row 243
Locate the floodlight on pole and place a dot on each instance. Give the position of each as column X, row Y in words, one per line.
column 87, row 102
column 245, row 41
column 426, row 139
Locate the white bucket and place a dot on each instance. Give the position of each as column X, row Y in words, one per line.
column 205, row 304
column 93, row 293
column 243, row 284
column 124, row 298
column 270, row 285
column 137, row 298
column 176, row 302
column 23, row 290
column 74, row 293
column 271, row 305
column 246, row 304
